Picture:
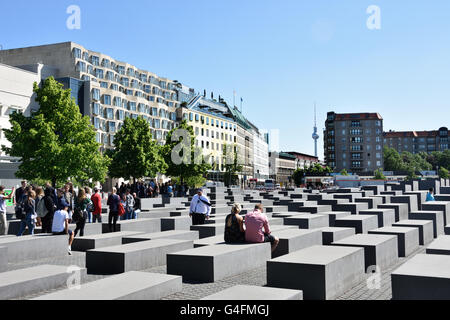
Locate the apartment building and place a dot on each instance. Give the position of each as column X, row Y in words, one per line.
column 282, row 166
column 304, row 160
column 418, row 141
column 354, row 141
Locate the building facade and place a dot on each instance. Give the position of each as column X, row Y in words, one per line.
column 282, row 166
column 418, row 141
column 113, row 90
column 354, row 141
column 260, row 154
column 304, row 160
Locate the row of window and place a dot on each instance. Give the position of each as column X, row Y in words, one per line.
column 208, row 121
column 110, row 126
column 215, row 135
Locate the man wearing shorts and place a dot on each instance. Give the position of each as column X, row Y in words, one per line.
column 61, row 223
column 254, row 223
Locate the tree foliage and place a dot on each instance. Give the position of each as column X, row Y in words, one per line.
column 444, row 173
column 55, row 143
column 316, row 170
column 191, row 163
column 232, row 165
column 136, row 154
column 344, row 172
column 379, row 175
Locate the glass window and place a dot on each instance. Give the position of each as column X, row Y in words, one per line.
column 96, row 109
column 107, row 99
column 96, row 94
column 81, row 66
column 99, row 73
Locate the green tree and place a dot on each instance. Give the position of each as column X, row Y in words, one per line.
column 444, row 173
column 299, row 177
column 344, row 172
column 232, row 166
column 183, row 159
column 392, row 160
column 378, row 175
column 136, row 154
column 56, row 143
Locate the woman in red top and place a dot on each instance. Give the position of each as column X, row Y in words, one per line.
column 97, row 201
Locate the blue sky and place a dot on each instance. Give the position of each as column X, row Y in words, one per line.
column 280, row 56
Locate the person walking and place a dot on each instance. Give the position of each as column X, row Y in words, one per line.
column 113, row 203
column 90, row 208
column 129, row 205
column 29, row 209
column 20, row 192
column 97, row 202
column 430, row 196
column 136, row 208
column 200, row 209
column 68, row 196
column 255, row 222
column 60, row 224
column 81, row 205
column 234, row 226
column 3, row 198
column 50, row 207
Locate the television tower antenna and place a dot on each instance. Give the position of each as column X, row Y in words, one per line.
column 315, row 135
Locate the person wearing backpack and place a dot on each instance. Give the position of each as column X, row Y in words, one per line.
column 113, row 203
column 3, row 198
column 129, row 205
column 29, row 209
column 80, row 211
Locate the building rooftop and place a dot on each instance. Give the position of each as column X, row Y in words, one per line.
column 358, row 116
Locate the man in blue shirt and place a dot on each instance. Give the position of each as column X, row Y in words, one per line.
column 200, row 209
column 430, row 196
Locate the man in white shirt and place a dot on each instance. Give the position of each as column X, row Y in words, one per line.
column 200, row 208
column 61, row 223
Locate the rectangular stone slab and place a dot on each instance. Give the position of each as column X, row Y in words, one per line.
column 362, row 224
column 140, row 225
column 332, row 234
column 314, row 209
column 401, row 210
column 296, row 239
column 100, row 241
column 34, row 247
column 423, row 277
column 333, row 215
column 407, row 238
column 421, row 196
column 386, row 217
column 443, row 206
column 3, row 258
column 129, row 286
column 436, row 216
column 176, row 223
column 321, row 272
column 24, row 282
column 425, row 228
column 441, row 245
column 134, row 256
column 90, row 229
column 173, row 234
column 411, row 200
column 379, row 250
column 308, row 221
column 213, row 263
column 254, row 293
column 373, row 202
column 353, row 207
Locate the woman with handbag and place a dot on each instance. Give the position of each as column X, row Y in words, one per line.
column 29, row 209
column 80, row 211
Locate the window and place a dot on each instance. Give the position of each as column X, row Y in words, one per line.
column 77, row 53
column 356, row 140
column 96, row 109
column 355, row 123
column 197, row 117
column 378, row 147
column 107, row 99
column 96, row 94
column 95, row 60
column 378, row 155
column 104, row 84
column 109, row 113
column 96, row 123
column 121, row 115
column 112, row 126
column 99, row 73
column 81, row 66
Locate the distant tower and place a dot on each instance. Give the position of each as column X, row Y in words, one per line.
column 315, row 135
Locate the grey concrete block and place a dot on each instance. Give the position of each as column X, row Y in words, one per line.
column 354, row 208
column 407, row 238
column 314, row 208
column 361, row 223
column 423, row 277
column 333, row 215
column 90, row 229
column 295, row 239
column 333, row 234
column 425, row 228
column 443, row 206
column 276, row 209
column 379, row 250
column 439, row 246
column 372, row 202
column 176, row 223
column 421, row 196
column 173, row 234
column 321, row 272
column 24, row 282
column 139, row 225
column 34, row 247
column 209, row 230
column 254, row 293
column 134, row 256
column 436, row 216
column 401, row 210
column 129, row 286
column 308, row 221
column 386, row 217
column 349, row 196
column 3, row 258
column 411, row 200
column 100, row 241
column 213, row 263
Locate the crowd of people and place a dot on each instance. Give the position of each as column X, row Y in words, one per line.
column 154, row 189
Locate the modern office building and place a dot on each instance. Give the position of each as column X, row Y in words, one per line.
column 215, row 131
column 354, row 141
column 282, row 166
column 110, row 90
column 260, row 154
column 418, row 141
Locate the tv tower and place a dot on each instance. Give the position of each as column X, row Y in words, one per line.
column 315, row 135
